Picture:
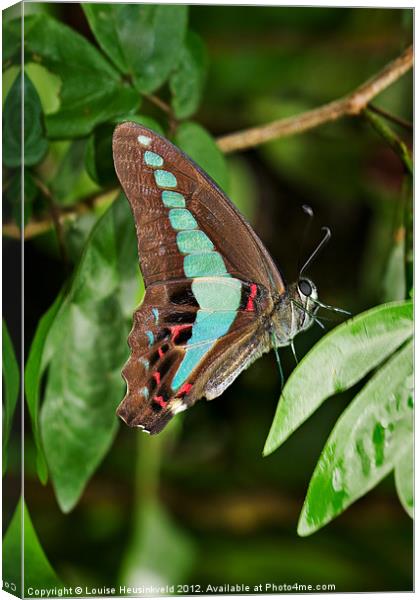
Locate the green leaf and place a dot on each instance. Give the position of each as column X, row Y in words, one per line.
column 338, row 361
column 38, row 572
column 99, row 159
column 87, row 347
column 92, row 91
column 370, row 437
column 187, row 80
column 195, row 141
column 14, row 195
column 404, row 479
column 34, row 369
column 11, row 389
column 12, row 38
column 394, row 280
column 35, row 144
column 143, row 41
column 70, row 178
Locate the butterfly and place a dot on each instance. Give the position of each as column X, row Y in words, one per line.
column 214, row 299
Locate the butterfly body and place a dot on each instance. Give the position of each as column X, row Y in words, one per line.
column 214, row 299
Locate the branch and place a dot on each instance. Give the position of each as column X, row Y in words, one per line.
column 35, row 228
column 350, row 105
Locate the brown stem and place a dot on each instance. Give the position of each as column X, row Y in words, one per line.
column 350, row 105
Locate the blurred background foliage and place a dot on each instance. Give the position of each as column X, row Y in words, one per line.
column 197, row 504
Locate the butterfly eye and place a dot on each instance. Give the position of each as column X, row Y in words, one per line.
column 305, row 287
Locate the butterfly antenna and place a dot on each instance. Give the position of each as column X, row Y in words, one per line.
column 276, row 352
column 310, row 213
column 310, row 260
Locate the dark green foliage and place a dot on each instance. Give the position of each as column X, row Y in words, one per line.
column 35, row 144
column 85, row 351
column 143, row 41
column 91, row 89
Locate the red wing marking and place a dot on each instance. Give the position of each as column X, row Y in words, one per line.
column 159, row 400
column 250, row 303
column 176, row 330
column 156, row 377
column 184, row 389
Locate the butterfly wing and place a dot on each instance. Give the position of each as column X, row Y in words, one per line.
column 171, row 196
column 181, row 352
column 209, row 281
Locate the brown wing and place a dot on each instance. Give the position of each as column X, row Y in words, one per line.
column 160, row 340
column 140, row 156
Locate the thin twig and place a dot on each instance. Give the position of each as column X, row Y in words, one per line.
column 35, row 228
column 55, row 218
column 394, row 118
column 166, row 108
column 391, row 139
column 350, row 105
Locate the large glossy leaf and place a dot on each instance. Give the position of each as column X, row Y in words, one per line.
column 404, row 479
column 11, row 388
column 144, row 41
column 35, row 143
column 34, row 369
column 92, row 91
column 370, row 437
column 86, row 350
column 337, row 362
column 38, row 572
column 187, row 80
column 195, row 141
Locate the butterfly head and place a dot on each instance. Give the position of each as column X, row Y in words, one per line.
column 305, row 296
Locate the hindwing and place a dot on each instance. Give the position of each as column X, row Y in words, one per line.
column 209, row 282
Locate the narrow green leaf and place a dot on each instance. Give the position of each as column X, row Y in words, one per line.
column 12, row 37
column 34, row 370
column 338, row 361
column 370, row 437
column 38, row 572
column 35, row 143
column 195, row 141
column 87, row 348
column 394, row 280
column 92, row 91
column 404, row 479
column 11, row 388
column 144, row 41
column 187, row 80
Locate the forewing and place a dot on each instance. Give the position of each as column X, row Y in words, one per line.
column 179, row 211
